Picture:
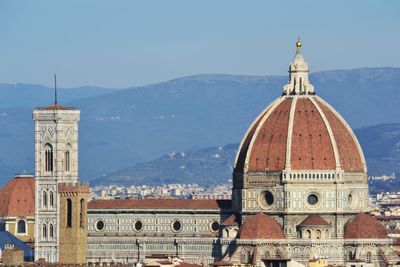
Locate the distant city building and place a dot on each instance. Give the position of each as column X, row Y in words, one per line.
column 382, row 177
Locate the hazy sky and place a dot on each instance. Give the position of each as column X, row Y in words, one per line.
column 127, row 43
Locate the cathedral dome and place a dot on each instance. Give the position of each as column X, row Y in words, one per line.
column 17, row 197
column 364, row 226
column 261, row 226
column 299, row 131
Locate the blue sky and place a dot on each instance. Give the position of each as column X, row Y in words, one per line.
column 128, row 43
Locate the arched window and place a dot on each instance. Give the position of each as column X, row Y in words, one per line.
column 350, row 256
column 299, row 234
column 44, row 231
column 51, row 198
column 69, row 212
column 44, row 199
column 51, row 231
column 48, row 158
column 318, row 234
column 67, row 158
column 308, row 234
column 21, row 227
column 81, row 221
column 369, row 256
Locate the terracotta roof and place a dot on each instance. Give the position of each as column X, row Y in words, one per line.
column 264, row 146
column 261, row 226
column 312, row 220
column 56, row 106
column 268, row 148
column 231, row 220
column 364, row 226
column 350, row 158
column 243, row 150
column 221, row 263
column 186, row 264
column 311, row 144
column 209, row 204
column 17, row 197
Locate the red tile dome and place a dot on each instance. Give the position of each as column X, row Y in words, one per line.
column 17, row 197
column 364, row 226
column 261, row 226
column 299, row 131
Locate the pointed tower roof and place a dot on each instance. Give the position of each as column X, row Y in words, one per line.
column 55, row 106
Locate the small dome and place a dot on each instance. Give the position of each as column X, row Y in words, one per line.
column 364, row 226
column 314, row 220
column 17, row 197
column 261, row 226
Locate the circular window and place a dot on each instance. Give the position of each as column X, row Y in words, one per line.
column 214, row 226
column 176, row 226
column 266, row 199
column 312, row 199
column 100, row 225
column 138, row 226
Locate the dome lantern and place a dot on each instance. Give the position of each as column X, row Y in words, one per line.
column 298, row 75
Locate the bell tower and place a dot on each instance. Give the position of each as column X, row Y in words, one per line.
column 56, row 163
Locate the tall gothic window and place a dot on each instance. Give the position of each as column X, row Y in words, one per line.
column 69, row 212
column 44, row 231
column 81, row 222
column 44, row 199
column 48, row 158
column 51, row 199
column 51, row 231
column 21, row 227
column 67, row 158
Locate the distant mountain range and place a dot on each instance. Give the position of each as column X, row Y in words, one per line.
column 208, row 166
column 214, row 165
column 120, row 128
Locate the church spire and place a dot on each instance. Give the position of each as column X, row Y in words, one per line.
column 55, row 89
column 298, row 75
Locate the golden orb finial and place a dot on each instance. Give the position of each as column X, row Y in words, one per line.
column 298, row 43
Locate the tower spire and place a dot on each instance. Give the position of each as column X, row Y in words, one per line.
column 298, row 75
column 55, row 89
